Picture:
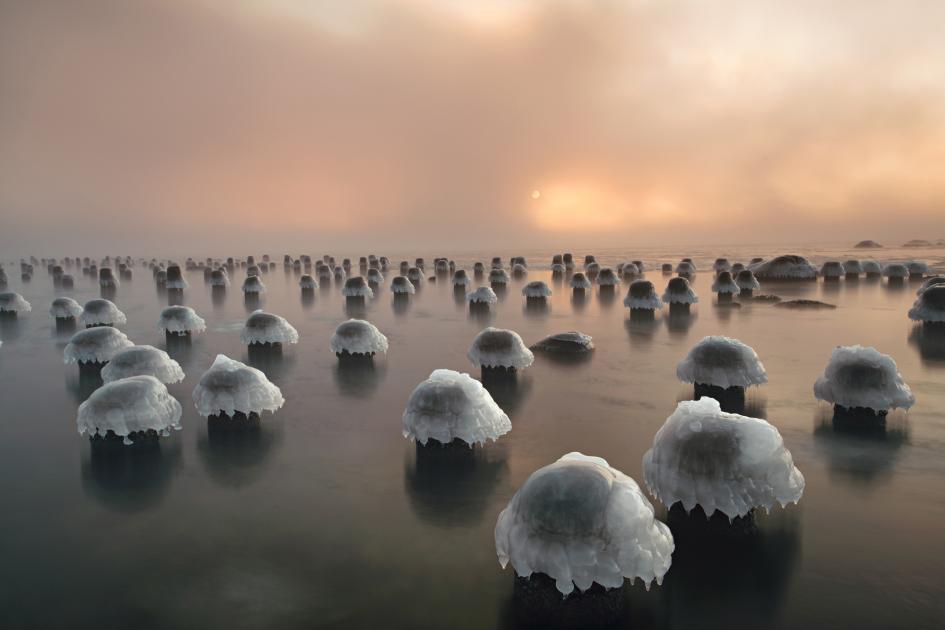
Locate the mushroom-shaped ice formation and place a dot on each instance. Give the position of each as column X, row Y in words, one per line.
column 461, row 279
column 219, row 279
column 929, row 306
column 607, row 280
column 12, row 304
column 579, row 521
column 65, row 309
column 642, row 296
column 452, row 406
column 862, row 378
column 679, row 291
column 143, row 361
column 481, row 298
column 929, row 283
column 558, row 270
column 357, row 338
column 871, row 268
column 747, row 283
column 852, row 269
column 789, row 267
column 267, row 329
column 180, row 321
column 572, row 342
column 498, row 278
column 106, row 279
column 721, row 264
column 725, row 286
column 895, row 273
column 137, row 406
column 401, row 285
column 666, row 268
column 721, row 366
column 308, row 283
column 579, row 283
column 720, row 461
column 832, row 270
column 230, row 388
column 479, row 270
column 95, row 345
column 101, row 312
column 686, row 269
column 415, row 275
column 499, row 350
column 592, row 269
column 252, row 285
column 175, row 280
column 375, row 278
column 357, row 288
column 536, row 290
column 917, row 269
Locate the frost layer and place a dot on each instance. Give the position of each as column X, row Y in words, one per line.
column 252, row 284
column 723, row 362
column 724, row 283
column 100, row 312
column 402, row 285
column 129, row 405
column 496, row 347
column 863, row 377
column 143, row 361
column 930, row 305
column 230, row 386
column 482, row 295
column 746, row 280
column 449, row 406
column 720, row 461
column 579, row 281
column 95, row 345
column 357, row 287
column 14, row 303
column 181, row 319
column 357, row 336
column 679, row 291
column 536, row 289
column 308, row 282
column 263, row 327
column 642, row 295
column 65, row 308
column 580, row 521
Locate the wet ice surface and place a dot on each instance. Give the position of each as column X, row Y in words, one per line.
column 322, row 515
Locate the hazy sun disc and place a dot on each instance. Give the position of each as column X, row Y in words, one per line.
column 536, row 194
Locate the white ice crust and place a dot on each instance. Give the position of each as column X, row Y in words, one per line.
column 143, row 361
column 723, row 362
column 449, row 406
column 579, row 281
column 129, row 405
column 747, row 281
column 930, row 305
column 641, row 295
column 536, row 289
column 686, row 296
column 499, row 276
column 263, row 327
column 65, row 308
column 357, row 336
column 178, row 319
column 720, row 461
column 579, row 521
column 97, row 345
column 607, row 277
column 230, row 386
column 895, row 270
column 352, row 289
column 402, row 284
column 832, row 269
column 496, row 347
column 725, row 285
column 858, row 376
column 101, row 311
column 482, row 295
column 308, row 282
column 14, row 302
column 252, row 284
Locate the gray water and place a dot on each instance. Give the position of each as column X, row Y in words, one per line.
column 324, row 519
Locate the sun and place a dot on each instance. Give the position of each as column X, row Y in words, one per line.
column 536, row 194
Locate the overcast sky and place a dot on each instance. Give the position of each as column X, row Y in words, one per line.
column 207, row 126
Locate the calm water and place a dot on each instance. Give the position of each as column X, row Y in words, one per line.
column 324, row 518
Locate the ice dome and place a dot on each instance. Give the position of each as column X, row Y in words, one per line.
column 832, row 269
column 721, row 264
column 65, row 308
column 724, row 283
column 679, row 291
column 136, row 404
column 499, row 348
column 307, row 282
column 519, row 270
column 536, row 289
column 686, row 268
column 95, row 345
column 374, row 276
column 400, row 285
column 579, row 521
column 181, row 320
column 14, row 303
column 143, row 361
column 357, row 287
column 720, row 461
column 498, row 276
column 267, row 328
column 450, row 406
column 357, row 337
column 642, row 296
column 231, row 387
column 558, row 269
column 929, row 283
column 252, row 285
column 572, row 342
column 106, row 279
column 482, row 295
column 218, row 278
column 607, row 278
column 579, row 281
column 414, row 274
column 871, row 267
column 917, row 268
column 722, row 362
column 630, row 270
column 852, row 267
column 746, row 281
column 340, row 275
column 460, row 278
column 175, row 281
column 789, row 267
column 896, row 270
column 930, row 305
column 859, row 377
column 101, row 312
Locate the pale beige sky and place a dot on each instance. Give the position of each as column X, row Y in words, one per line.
column 295, row 125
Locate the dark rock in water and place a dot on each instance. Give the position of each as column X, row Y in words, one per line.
column 867, row 245
column 917, row 242
column 766, row 297
column 805, row 304
column 567, row 342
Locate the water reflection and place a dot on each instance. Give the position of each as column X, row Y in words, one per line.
column 641, row 326
column 130, row 478
column 358, row 376
column 9, row 326
column 536, row 309
column 235, row 451
column 508, row 391
column 678, row 322
column 861, row 453
column 535, row 602
column 930, row 340
column 400, row 303
column 270, row 360
column 83, row 382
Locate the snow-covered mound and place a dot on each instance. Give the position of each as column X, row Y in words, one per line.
column 607, row 278
column 917, row 268
column 642, row 296
column 721, row 264
column 722, row 362
column 218, row 278
column 14, row 303
column 572, row 342
column 852, row 267
column 229, row 387
column 724, row 283
column 482, row 295
column 499, row 348
column 679, row 291
column 930, row 282
column 865, row 378
column 832, row 269
column 579, row 281
column 143, row 361
column 789, row 267
column 499, row 276
column 357, row 337
column 374, row 276
column 746, row 281
column 65, row 308
column 414, row 274
column 686, row 268
column 175, row 281
column 449, row 406
column 95, row 345
column 579, row 521
column 253, row 285
column 461, row 279
column 930, row 305
column 871, row 267
column 401, row 285
column 127, row 406
column 101, row 312
column 896, row 270
column 181, row 319
column 307, row 282
column 262, row 327
column 536, row 289
column 357, row 287
column 720, row 461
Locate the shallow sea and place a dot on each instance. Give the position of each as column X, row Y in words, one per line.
column 323, row 518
